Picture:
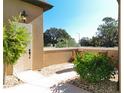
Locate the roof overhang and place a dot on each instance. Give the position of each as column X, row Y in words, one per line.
column 40, row 3
column 118, row 1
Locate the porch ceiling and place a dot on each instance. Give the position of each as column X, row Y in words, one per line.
column 40, row 3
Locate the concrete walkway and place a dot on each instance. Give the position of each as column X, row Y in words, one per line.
column 37, row 83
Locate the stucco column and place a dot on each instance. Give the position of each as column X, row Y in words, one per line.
column 37, row 43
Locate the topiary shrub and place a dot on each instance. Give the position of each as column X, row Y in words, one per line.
column 94, row 67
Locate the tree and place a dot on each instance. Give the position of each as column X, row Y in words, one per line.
column 85, row 41
column 52, row 36
column 108, row 32
column 95, row 41
column 62, row 43
column 106, row 36
column 15, row 41
column 72, row 43
column 66, row 43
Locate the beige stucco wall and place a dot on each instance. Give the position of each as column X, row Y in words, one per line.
column 56, row 56
column 24, row 62
column 35, row 17
column 37, row 52
column 110, row 52
column 14, row 7
column 36, row 61
column 62, row 55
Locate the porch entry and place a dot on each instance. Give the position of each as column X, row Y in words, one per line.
column 25, row 61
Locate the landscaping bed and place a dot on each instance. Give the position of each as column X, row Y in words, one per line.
column 11, row 81
column 106, row 86
column 96, row 73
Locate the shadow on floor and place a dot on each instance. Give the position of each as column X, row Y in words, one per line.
column 58, row 88
column 65, row 70
column 103, row 87
column 66, row 88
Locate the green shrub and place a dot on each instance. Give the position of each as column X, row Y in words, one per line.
column 94, row 67
column 16, row 38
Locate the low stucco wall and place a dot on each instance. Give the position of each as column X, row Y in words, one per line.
column 62, row 55
column 110, row 52
column 56, row 56
column 53, row 56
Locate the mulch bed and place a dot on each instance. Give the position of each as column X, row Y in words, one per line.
column 11, row 81
column 106, row 86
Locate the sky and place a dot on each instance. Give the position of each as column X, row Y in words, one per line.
column 80, row 18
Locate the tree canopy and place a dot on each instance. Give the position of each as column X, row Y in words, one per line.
column 66, row 43
column 108, row 32
column 84, row 41
column 106, row 36
column 54, row 35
